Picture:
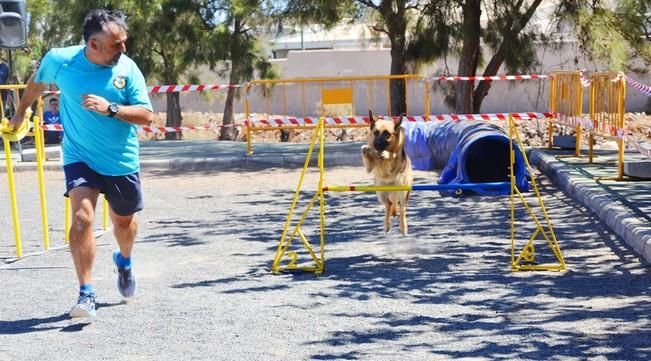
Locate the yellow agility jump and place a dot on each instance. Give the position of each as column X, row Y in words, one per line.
column 524, row 261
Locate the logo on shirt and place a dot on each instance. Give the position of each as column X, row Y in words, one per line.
column 120, row 82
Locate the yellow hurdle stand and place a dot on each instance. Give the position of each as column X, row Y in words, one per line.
column 524, row 261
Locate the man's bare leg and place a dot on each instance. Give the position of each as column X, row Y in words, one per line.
column 82, row 241
column 82, row 247
column 125, row 229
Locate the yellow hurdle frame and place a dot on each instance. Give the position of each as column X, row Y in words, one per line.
column 39, row 144
column 524, row 261
column 566, row 99
column 607, row 110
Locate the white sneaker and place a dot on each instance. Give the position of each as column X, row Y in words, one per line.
column 85, row 306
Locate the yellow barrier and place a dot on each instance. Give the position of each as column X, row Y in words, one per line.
column 346, row 91
column 38, row 140
column 525, row 260
column 12, row 193
column 607, row 109
column 39, row 143
column 566, row 103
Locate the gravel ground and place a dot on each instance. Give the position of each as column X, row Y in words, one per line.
column 203, row 263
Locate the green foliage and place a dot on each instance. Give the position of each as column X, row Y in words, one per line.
column 305, row 12
column 162, row 33
column 435, row 33
column 502, row 32
column 233, row 28
column 610, row 34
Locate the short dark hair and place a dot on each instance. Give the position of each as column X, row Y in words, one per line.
column 96, row 20
column 52, row 100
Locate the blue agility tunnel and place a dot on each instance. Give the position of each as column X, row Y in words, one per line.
column 465, row 151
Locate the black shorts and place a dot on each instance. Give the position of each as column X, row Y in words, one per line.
column 123, row 193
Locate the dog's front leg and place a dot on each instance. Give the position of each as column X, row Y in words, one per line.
column 368, row 158
column 388, row 207
column 403, row 215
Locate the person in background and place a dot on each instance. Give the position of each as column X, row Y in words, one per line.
column 103, row 100
column 52, row 117
column 4, row 77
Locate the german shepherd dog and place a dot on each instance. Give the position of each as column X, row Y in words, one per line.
column 384, row 155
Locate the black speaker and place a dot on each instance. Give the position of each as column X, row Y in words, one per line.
column 13, row 24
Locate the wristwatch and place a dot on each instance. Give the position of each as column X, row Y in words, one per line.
column 113, row 109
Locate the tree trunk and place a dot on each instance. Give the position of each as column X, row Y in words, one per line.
column 397, row 86
column 228, row 131
column 174, row 117
column 469, row 55
column 482, row 89
column 513, row 29
column 396, row 23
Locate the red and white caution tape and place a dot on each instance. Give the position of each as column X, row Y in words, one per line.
column 285, row 121
column 52, row 127
column 492, row 116
column 494, row 77
column 149, row 129
column 584, row 81
column 574, row 121
column 175, row 88
column 189, row 88
column 644, row 89
column 203, row 87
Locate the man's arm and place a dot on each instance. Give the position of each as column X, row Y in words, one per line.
column 134, row 114
column 32, row 91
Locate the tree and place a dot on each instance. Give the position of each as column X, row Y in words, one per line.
column 612, row 34
column 165, row 46
column 234, row 27
column 506, row 34
column 423, row 31
column 162, row 41
column 394, row 19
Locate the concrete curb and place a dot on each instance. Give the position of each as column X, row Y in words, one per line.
column 635, row 231
column 31, row 166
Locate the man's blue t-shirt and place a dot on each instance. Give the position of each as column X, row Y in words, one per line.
column 109, row 146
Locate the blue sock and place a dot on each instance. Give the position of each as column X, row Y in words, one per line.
column 87, row 289
column 123, row 262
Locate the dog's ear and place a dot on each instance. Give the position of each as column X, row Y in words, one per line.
column 397, row 127
column 370, row 119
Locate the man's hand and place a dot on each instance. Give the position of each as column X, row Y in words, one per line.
column 95, row 103
column 16, row 121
